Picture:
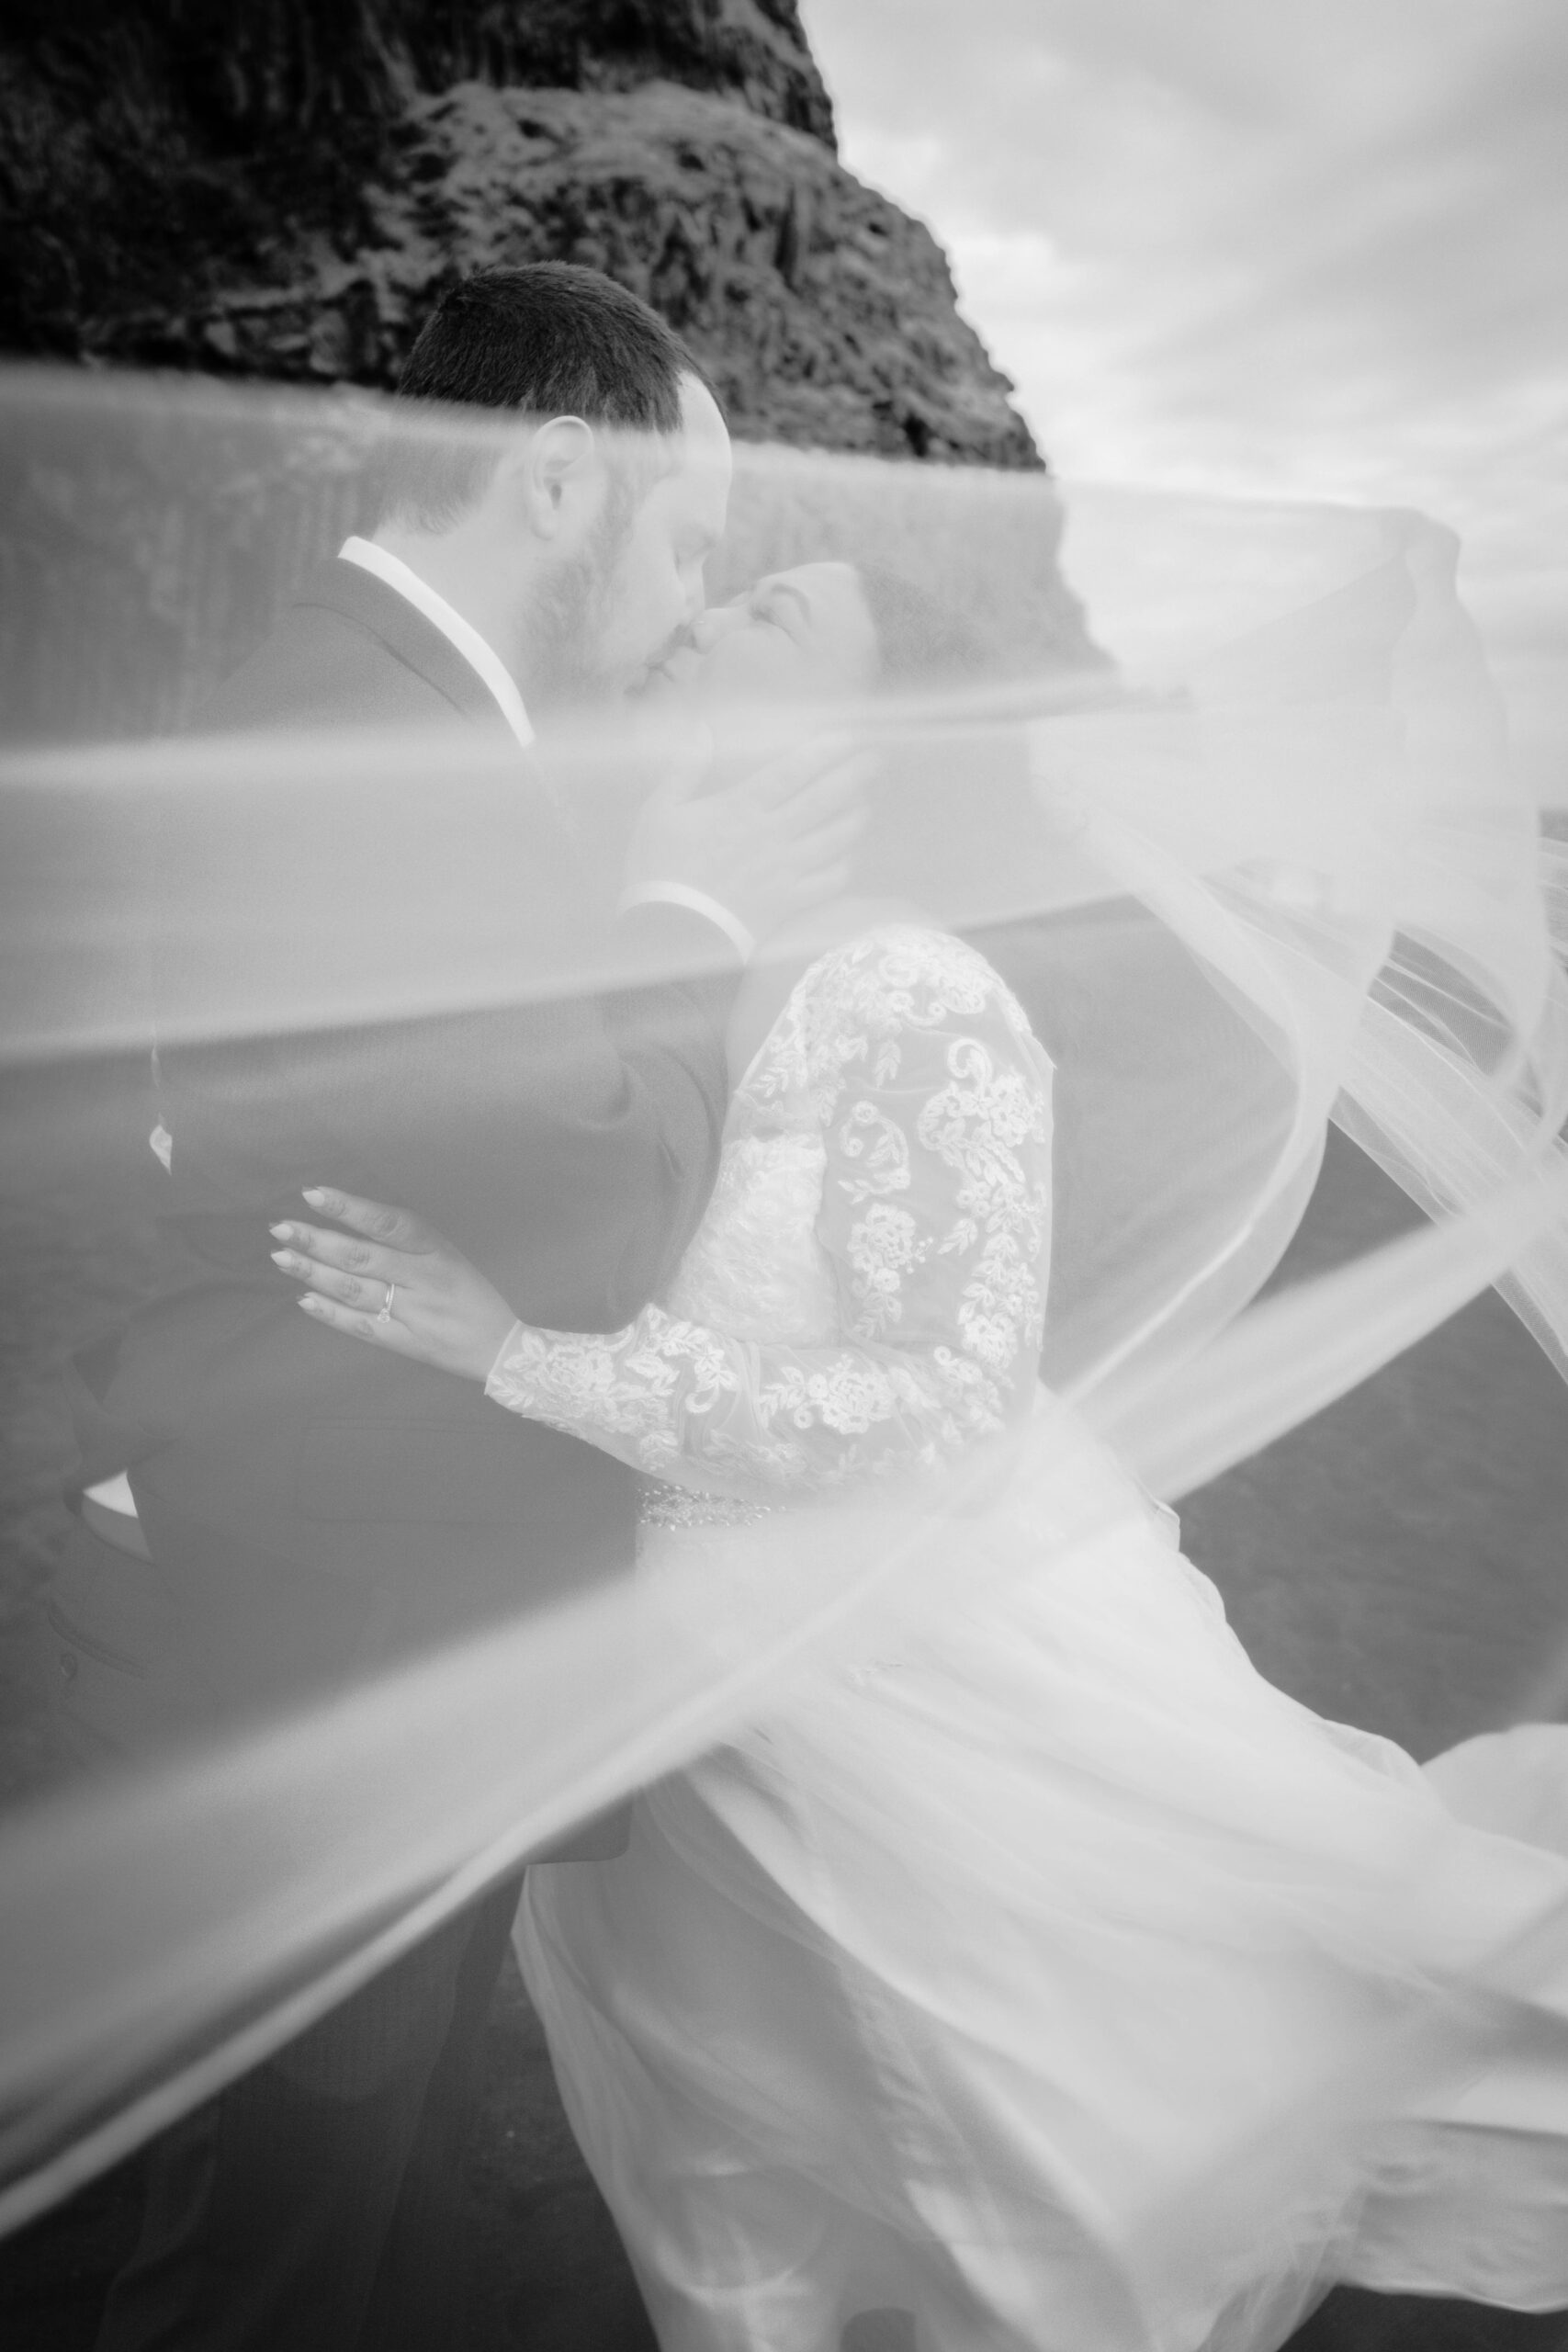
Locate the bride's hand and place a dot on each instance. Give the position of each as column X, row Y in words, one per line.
column 401, row 1287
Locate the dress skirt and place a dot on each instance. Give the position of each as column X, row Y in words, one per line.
column 1055, row 1984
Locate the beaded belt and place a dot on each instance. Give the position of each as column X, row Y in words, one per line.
column 662, row 1505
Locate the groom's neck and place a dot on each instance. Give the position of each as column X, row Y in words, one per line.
column 461, row 566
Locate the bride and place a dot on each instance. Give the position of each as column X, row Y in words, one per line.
column 1005, row 1989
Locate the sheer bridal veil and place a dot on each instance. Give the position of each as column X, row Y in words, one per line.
column 1286, row 878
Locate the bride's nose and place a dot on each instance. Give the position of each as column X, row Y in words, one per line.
column 718, row 621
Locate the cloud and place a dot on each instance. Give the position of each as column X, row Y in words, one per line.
column 1256, row 219
column 1254, row 246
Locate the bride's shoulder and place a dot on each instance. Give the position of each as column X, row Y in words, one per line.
column 864, row 998
column 909, row 970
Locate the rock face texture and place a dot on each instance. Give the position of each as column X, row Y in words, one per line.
column 280, row 187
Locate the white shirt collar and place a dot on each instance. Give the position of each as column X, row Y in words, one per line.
column 479, row 656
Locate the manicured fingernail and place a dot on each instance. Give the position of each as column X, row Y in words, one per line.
column 284, row 1258
column 281, row 1232
column 317, row 1195
column 310, row 1303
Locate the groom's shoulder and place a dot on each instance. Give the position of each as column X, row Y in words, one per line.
column 339, row 655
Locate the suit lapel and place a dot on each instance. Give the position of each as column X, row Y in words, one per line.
column 359, row 597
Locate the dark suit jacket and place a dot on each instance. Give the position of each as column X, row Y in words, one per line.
column 348, row 1507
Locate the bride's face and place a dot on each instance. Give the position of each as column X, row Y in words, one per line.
column 797, row 637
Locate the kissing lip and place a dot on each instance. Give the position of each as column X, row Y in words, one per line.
column 673, row 668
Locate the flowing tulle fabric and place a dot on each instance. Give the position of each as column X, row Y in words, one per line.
column 1040, row 1972
column 1050, row 1978
column 1294, row 881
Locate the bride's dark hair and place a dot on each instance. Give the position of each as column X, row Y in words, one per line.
column 918, row 639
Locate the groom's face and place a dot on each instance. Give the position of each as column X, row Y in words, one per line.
column 621, row 604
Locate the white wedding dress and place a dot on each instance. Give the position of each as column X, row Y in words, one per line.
column 1011, row 1991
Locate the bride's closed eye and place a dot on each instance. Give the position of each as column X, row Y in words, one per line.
column 776, row 602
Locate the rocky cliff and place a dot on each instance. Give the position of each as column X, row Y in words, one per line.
column 278, row 187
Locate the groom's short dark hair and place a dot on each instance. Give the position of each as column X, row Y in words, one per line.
column 546, row 338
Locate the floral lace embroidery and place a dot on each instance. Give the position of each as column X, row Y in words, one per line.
column 870, row 1136
column 883, row 1247
column 856, row 1005
column 907, row 1059
column 981, row 1124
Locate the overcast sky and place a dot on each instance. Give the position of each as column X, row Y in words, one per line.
column 1299, row 247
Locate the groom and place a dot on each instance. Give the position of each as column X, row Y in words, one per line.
column 312, row 1507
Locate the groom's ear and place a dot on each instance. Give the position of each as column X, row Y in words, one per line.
column 557, row 479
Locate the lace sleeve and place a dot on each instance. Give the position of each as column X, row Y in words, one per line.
column 931, row 1098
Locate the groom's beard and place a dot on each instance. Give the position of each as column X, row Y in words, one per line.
column 563, row 666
